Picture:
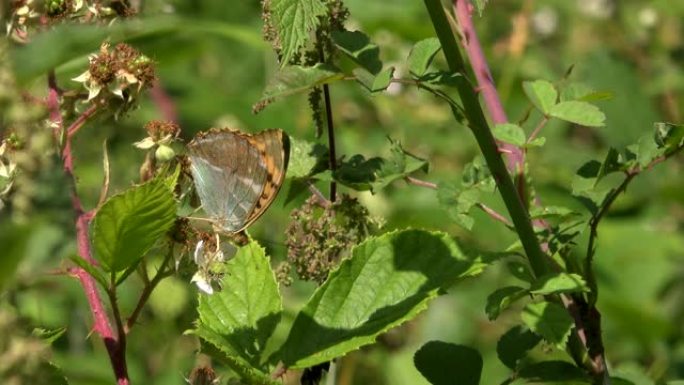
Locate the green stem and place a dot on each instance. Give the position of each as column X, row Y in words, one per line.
column 485, row 140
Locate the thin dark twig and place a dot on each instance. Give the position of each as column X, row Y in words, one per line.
column 332, row 157
column 147, row 290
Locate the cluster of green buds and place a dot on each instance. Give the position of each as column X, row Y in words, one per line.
column 117, row 75
column 160, row 135
column 319, row 237
column 209, row 257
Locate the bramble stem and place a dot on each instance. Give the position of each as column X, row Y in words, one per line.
column 490, row 150
column 101, row 325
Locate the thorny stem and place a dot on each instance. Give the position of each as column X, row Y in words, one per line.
column 587, row 319
column 101, row 321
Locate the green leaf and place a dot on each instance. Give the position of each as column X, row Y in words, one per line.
column 510, row 133
column 459, row 200
column 382, row 80
column 387, row 281
column 559, row 283
column 305, row 158
column 549, row 320
column 542, row 94
column 578, row 112
column 357, row 46
column 130, row 223
column 421, row 55
column 440, row 362
column 501, row 299
column 294, row 21
column 514, row 345
column 49, row 336
column 669, row 136
column 240, row 319
column 294, row 79
column 554, row 372
column 91, row 269
column 584, row 93
column 376, row 173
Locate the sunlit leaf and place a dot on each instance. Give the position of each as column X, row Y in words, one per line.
column 294, row 21
column 510, row 133
column 422, row 54
column 387, row 281
column 578, row 112
column 294, row 79
column 305, row 158
column 129, row 224
column 542, row 94
column 559, row 283
column 549, row 320
column 239, row 319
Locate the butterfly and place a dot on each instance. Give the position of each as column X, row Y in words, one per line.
column 237, row 175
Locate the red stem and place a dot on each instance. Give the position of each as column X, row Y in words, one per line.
column 515, row 157
column 101, row 324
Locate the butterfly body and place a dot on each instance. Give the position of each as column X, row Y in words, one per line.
column 237, row 175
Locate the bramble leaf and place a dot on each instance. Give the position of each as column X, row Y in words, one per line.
column 542, row 94
column 387, row 281
column 240, row 319
column 294, row 21
column 559, row 283
column 421, row 56
column 305, row 158
column 376, row 173
column 357, row 46
column 459, row 200
column 578, row 112
column 439, row 362
column 550, row 321
column 510, row 133
column 129, row 224
column 293, row 79
column 515, row 344
column 501, row 299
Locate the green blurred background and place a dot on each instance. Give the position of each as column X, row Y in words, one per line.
column 212, row 63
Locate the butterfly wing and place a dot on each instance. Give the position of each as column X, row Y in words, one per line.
column 237, row 175
column 274, row 146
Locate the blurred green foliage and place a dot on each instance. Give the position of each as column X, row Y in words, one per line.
column 213, row 65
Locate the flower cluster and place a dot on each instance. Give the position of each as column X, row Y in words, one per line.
column 118, row 73
column 318, row 238
column 26, row 14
